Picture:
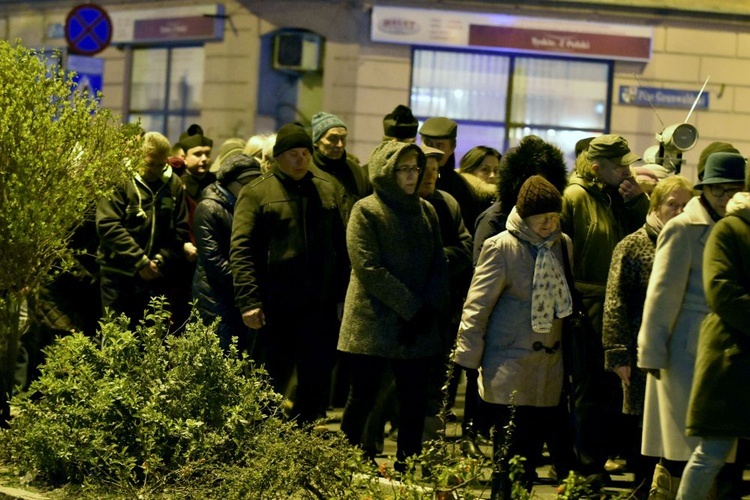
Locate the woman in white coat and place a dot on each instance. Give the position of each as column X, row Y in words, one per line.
column 675, row 307
column 512, row 332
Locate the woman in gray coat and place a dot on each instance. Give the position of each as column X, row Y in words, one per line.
column 512, row 332
column 675, row 307
column 399, row 283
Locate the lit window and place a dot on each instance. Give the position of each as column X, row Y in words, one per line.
column 167, row 88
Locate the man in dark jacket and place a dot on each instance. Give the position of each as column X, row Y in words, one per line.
column 142, row 230
column 440, row 133
column 212, row 282
column 288, row 262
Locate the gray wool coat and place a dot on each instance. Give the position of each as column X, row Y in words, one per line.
column 398, row 265
column 496, row 336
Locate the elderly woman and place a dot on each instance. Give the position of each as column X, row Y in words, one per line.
column 675, row 307
column 512, row 332
column 398, row 285
column 632, row 261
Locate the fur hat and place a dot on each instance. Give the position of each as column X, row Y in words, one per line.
column 400, row 123
column 714, row 147
column 439, row 128
column 723, row 168
column 532, row 156
column 291, row 136
column 538, row 196
column 193, row 137
column 322, row 122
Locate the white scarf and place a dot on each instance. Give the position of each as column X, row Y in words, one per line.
column 550, row 296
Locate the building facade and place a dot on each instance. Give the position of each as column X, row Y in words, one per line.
column 501, row 69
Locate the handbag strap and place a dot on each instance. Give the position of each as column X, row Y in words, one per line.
column 566, row 263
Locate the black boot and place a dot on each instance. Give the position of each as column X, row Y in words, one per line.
column 500, row 486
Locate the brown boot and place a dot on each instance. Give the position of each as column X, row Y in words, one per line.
column 664, row 486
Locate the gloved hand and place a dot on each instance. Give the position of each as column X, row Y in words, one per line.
column 420, row 323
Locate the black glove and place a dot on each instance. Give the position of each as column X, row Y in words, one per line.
column 420, row 323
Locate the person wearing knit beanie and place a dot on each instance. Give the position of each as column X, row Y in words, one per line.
column 322, row 122
column 537, row 197
column 400, row 125
column 291, row 136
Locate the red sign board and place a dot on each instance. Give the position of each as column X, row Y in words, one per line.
column 177, row 29
column 577, row 43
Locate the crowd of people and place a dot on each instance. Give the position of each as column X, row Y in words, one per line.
column 376, row 277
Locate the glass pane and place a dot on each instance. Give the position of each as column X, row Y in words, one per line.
column 560, row 93
column 186, row 79
column 149, row 123
column 459, row 85
column 563, row 139
column 149, row 79
column 473, row 135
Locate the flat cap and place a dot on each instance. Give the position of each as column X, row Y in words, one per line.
column 613, row 147
column 439, row 128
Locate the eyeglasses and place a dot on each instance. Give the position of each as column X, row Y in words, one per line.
column 538, row 346
column 719, row 191
column 408, row 170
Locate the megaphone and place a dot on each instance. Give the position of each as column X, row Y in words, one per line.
column 673, row 141
column 679, row 137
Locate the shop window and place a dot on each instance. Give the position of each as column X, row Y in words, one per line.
column 166, row 89
column 560, row 100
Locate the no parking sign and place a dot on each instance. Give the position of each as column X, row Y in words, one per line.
column 88, row 29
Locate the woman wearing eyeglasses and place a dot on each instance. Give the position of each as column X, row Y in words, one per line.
column 398, row 286
column 511, row 330
column 675, row 307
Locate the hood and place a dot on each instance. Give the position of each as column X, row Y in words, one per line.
column 739, row 206
column 382, row 172
column 217, row 193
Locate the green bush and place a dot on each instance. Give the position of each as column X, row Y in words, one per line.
column 146, row 413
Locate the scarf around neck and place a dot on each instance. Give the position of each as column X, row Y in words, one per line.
column 550, row 296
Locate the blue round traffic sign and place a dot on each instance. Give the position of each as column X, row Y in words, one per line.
column 88, row 29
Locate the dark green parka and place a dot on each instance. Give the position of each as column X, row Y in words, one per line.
column 719, row 400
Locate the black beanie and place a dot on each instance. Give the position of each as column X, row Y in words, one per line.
column 400, row 124
column 291, row 136
column 538, row 196
column 193, row 137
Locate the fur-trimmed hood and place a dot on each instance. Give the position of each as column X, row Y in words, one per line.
column 486, row 191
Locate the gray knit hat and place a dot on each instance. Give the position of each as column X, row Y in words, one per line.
column 322, row 122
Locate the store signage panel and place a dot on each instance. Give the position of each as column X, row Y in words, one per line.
column 633, row 95
column 169, row 24
column 506, row 32
column 176, row 29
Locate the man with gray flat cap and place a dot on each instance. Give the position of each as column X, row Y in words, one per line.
column 602, row 204
column 441, row 133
